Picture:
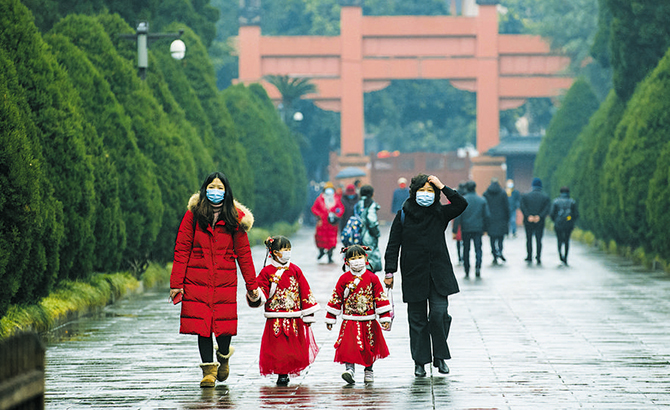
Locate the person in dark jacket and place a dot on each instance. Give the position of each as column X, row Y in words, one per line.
column 564, row 213
column 535, row 207
column 400, row 194
column 349, row 201
column 498, row 203
column 417, row 234
column 514, row 198
column 473, row 222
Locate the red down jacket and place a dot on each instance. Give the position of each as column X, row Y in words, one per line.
column 204, row 266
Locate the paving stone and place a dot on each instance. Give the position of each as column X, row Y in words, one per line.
column 592, row 335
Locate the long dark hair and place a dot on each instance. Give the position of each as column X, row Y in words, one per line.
column 366, row 192
column 418, row 182
column 203, row 211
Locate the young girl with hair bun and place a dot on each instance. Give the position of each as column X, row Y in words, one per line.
column 288, row 344
column 359, row 297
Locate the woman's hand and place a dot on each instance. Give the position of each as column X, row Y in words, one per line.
column 253, row 295
column 174, row 292
column 436, row 181
column 388, row 282
column 386, row 325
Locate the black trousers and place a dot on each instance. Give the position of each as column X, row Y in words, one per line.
column 536, row 230
column 497, row 246
column 206, row 347
column 476, row 239
column 429, row 324
column 563, row 237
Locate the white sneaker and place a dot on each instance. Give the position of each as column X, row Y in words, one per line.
column 348, row 376
column 369, row 376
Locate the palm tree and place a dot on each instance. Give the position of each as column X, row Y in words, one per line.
column 291, row 90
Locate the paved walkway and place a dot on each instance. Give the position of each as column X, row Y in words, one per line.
column 592, row 335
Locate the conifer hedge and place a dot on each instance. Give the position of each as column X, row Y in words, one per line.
column 97, row 166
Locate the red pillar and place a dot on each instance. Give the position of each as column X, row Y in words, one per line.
column 351, row 76
column 249, row 49
column 488, row 113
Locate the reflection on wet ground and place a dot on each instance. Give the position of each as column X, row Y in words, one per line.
column 592, row 335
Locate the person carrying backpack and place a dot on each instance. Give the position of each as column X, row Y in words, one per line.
column 362, row 228
column 564, row 213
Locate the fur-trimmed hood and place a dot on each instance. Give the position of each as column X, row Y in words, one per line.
column 245, row 218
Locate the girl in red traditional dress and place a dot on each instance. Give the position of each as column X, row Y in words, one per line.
column 288, row 344
column 359, row 297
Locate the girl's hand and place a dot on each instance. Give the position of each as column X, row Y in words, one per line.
column 329, row 326
column 308, row 324
column 386, row 325
column 388, row 282
column 435, row 181
column 174, row 292
column 253, row 295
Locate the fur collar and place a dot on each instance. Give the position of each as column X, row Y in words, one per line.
column 245, row 218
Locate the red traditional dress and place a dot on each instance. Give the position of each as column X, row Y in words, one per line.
column 288, row 345
column 361, row 300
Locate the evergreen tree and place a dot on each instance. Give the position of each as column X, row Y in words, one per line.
column 54, row 109
column 31, row 226
column 577, row 106
column 272, row 163
column 582, row 169
column 633, row 161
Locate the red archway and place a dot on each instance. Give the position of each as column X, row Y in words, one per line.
column 504, row 70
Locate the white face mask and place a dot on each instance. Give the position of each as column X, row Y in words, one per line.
column 285, row 257
column 357, row 265
column 510, row 185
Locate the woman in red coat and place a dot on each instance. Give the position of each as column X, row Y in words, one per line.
column 212, row 236
column 328, row 209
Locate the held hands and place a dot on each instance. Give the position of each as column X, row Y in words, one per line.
column 386, row 325
column 435, row 181
column 253, row 295
column 388, row 282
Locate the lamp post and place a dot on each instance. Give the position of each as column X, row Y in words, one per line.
column 144, row 39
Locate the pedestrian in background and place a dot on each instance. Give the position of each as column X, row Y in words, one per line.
column 349, row 201
column 328, row 210
column 497, row 200
column 400, row 195
column 288, row 345
column 456, row 229
column 535, row 206
column 473, row 222
column 514, row 198
column 211, row 237
column 417, row 234
column 359, row 297
column 564, row 213
column 367, row 209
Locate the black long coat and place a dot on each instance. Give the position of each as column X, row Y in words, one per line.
column 420, row 241
column 499, row 208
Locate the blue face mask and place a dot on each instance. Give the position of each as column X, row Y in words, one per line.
column 351, row 196
column 425, row 198
column 215, row 196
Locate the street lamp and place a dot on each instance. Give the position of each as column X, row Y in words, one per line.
column 297, row 117
column 144, row 38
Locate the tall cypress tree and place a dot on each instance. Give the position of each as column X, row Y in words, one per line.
column 31, row 227
column 54, row 110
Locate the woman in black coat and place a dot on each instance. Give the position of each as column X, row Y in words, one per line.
column 417, row 234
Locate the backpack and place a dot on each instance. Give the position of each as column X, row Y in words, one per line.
column 564, row 215
column 352, row 233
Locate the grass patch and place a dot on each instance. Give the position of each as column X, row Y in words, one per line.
column 156, row 275
column 70, row 297
column 258, row 235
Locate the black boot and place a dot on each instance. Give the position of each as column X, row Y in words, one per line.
column 419, row 370
column 321, row 253
column 330, row 256
column 441, row 366
column 282, row 380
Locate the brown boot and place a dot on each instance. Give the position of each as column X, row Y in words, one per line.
column 224, row 369
column 208, row 374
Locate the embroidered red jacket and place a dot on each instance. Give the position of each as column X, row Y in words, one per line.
column 359, row 298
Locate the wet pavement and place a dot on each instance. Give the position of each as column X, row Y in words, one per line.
column 593, row 335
